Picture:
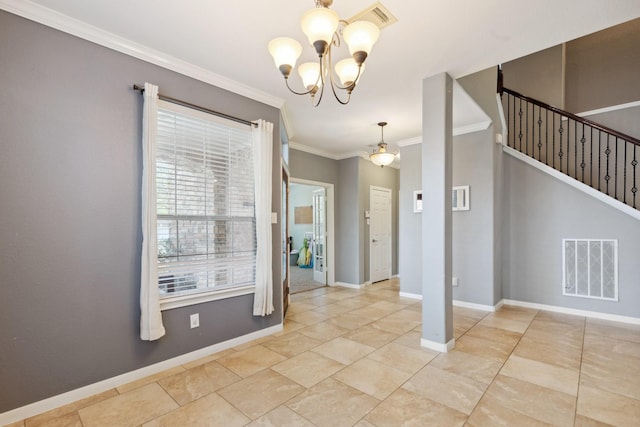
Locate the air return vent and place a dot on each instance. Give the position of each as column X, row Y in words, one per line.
column 590, row 268
column 376, row 13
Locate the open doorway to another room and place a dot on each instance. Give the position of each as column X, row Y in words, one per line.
column 308, row 235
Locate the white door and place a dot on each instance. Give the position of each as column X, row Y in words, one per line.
column 319, row 237
column 379, row 234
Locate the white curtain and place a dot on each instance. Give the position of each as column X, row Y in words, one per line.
column 262, row 140
column 151, row 327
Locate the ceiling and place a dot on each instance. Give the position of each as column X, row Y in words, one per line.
column 225, row 43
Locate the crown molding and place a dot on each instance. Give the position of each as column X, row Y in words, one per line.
column 312, row 150
column 410, row 141
column 75, row 27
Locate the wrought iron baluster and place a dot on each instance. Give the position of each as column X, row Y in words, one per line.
column 520, row 128
column 539, row 133
column 599, row 160
column 607, row 177
column 634, row 163
column 575, row 151
column 546, row 136
column 615, row 172
column 582, row 164
column 508, row 119
column 526, row 128
column 624, row 174
column 553, row 138
column 591, row 158
column 561, row 153
column 568, row 146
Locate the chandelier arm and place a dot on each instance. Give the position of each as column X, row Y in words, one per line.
column 293, row 91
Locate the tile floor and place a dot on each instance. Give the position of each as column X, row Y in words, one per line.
column 352, row 358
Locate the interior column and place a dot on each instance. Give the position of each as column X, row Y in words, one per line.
column 437, row 313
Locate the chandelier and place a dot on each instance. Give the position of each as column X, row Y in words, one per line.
column 382, row 157
column 324, row 29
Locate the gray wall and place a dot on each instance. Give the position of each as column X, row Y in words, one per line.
column 602, row 68
column 539, row 212
column 539, row 75
column 312, row 167
column 347, row 227
column 372, row 175
column 410, row 223
column 70, row 236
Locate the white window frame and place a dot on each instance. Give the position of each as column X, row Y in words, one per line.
column 182, row 300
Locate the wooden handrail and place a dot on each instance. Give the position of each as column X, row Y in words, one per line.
column 578, row 119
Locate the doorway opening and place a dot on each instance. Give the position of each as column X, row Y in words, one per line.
column 310, row 235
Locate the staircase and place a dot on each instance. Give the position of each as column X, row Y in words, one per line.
column 595, row 155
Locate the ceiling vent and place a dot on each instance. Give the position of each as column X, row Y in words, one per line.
column 377, row 14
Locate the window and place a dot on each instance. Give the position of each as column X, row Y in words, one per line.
column 205, row 207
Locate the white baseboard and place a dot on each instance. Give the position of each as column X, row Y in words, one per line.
column 573, row 311
column 351, row 285
column 410, row 295
column 437, row 346
column 57, row 401
column 474, row 306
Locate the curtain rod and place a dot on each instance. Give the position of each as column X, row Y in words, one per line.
column 196, row 107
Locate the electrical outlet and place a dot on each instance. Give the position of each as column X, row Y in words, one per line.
column 455, row 282
column 194, row 320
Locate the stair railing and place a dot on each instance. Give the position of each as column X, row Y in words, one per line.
column 595, row 155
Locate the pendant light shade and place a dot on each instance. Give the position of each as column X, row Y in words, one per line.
column 285, row 52
column 319, row 24
column 382, row 157
column 347, row 71
column 361, row 36
column 310, row 75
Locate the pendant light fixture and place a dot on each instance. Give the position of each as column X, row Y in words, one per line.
column 323, row 29
column 382, row 157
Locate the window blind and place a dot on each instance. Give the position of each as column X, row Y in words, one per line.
column 205, row 202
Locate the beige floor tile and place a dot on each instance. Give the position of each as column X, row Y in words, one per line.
column 349, row 321
column 517, row 313
column 343, row 350
column 490, row 413
column 150, row 379
column 452, row 390
column 333, row 309
column 494, row 334
column 207, row 359
column 542, row 374
column 600, row 344
column 194, row 383
column 411, row 339
column 251, row 360
column 291, row 344
column 399, row 323
column 300, row 307
column 16, row 424
column 406, row 359
column 308, row 317
column 281, row 417
column 256, row 341
column 48, row 418
column 211, row 410
column 462, row 324
column 468, row 365
column 373, row 337
column 356, row 302
column 494, row 320
column 404, row 408
column 67, row 420
column 555, row 331
column 308, row 368
column 129, row 409
column 610, row 329
column 260, row 393
column 582, row 421
column 564, row 355
column 469, row 312
column 374, row 378
column 323, row 331
column 537, row 402
column 570, row 319
column 288, row 327
column 363, row 423
column 480, row 347
column 332, row 404
column 608, row 407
